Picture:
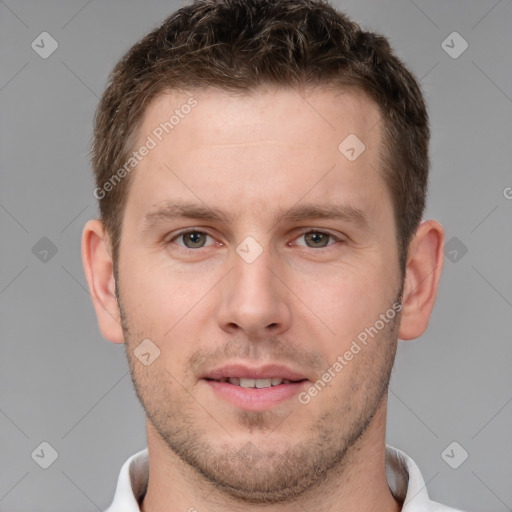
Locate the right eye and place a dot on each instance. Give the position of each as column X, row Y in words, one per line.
column 191, row 239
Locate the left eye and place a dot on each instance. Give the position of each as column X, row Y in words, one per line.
column 317, row 239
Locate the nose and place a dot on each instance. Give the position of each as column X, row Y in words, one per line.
column 254, row 299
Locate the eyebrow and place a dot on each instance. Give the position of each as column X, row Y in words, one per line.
column 171, row 210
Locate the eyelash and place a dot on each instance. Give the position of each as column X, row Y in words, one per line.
column 303, row 233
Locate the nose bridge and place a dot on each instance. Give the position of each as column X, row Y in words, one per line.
column 254, row 300
column 252, row 275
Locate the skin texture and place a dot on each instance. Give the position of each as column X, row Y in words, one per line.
column 300, row 303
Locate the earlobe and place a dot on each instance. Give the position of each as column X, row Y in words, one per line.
column 98, row 268
column 423, row 272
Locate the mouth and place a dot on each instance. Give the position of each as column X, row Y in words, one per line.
column 256, row 383
column 255, row 389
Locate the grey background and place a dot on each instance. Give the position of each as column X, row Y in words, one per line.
column 62, row 383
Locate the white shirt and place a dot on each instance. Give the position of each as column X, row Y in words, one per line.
column 404, row 480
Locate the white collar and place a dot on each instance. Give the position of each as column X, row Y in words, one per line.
column 403, row 475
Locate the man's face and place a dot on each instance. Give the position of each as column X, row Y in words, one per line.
column 276, row 286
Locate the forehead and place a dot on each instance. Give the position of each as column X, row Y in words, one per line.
column 272, row 146
column 272, row 112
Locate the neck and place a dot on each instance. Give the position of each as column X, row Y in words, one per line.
column 359, row 484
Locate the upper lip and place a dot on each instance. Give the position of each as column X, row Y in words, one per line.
column 271, row 371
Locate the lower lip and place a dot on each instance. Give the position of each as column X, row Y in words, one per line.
column 254, row 399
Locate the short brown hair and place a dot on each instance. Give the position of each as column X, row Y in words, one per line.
column 238, row 45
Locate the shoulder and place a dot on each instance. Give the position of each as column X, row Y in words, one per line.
column 407, row 485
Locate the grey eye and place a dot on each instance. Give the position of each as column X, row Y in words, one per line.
column 193, row 239
column 317, row 239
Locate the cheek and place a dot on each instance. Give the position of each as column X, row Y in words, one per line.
column 165, row 306
column 345, row 299
column 157, row 295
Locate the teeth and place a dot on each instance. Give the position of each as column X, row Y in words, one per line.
column 247, row 383
column 263, row 383
column 257, row 383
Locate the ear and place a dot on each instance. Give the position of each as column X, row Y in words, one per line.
column 423, row 272
column 98, row 267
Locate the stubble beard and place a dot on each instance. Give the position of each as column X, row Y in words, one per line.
column 266, row 474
